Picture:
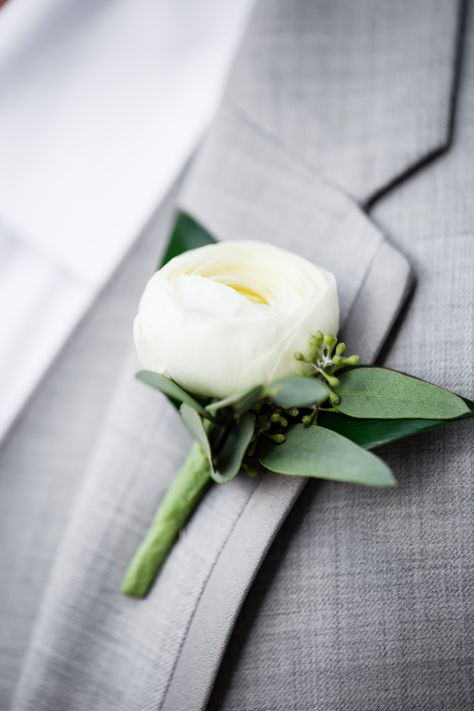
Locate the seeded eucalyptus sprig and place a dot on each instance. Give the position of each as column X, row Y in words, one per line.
column 325, row 357
column 319, row 423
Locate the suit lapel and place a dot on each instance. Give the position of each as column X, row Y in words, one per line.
column 298, row 105
column 255, row 178
column 146, row 649
column 363, row 91
column 298, row 209
column 243, row 186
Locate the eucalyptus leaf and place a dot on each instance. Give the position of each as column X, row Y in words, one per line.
column 319, row 452
column 231, row 454
column 375, row 433
column 187, row 234
column 194, row 424
column 380, row 393
column 239, row 402
column 297, row 391
column 172, row 390
column 470, row 404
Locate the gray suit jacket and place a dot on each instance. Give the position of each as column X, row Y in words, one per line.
column 349, row 598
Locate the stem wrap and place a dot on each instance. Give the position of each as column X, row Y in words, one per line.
column 177, row 506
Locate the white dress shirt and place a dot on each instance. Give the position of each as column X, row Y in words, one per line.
column 101, row 103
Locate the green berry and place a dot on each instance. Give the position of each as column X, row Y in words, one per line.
column 352, row 360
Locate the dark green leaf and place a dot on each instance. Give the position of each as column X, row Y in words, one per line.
column 195, row 425
column 187, row 234
column 172, row 390
column 375, row 433
column 240, row 402
column 318, row 452
column 297, row 391
column 470, row 404
column 229, row 459
column 379, row 393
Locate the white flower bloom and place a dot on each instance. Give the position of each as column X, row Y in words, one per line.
column 225, row 317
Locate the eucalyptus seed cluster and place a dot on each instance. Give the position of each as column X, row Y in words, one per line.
column 272, row 422
column 324, row 358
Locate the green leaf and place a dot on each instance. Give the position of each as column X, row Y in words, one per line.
column 229, row 459
column 379, row 393
column 375, row 433
column 226, row 464
column 187, row 234
column 318, row 452
column 470, row 404
column 172, row 390
column 297, row 391
column 195, row 425
column 239, row 402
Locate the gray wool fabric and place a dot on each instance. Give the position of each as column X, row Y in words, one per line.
column 364, row 599
column 360, row 91
column 92, row 646
column 44, row 458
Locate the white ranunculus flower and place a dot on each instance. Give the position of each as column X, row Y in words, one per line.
column 225, row 317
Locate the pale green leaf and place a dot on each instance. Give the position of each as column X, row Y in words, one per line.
column 172, row 390
column 379, row 393
column 318, row 452
column 298, row 391
column 230, row 456
column 239, row 402
column 196, row 428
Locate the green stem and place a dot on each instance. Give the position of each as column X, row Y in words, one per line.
column 177, row 506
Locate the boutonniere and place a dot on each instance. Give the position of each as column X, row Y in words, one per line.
column 242, row 337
